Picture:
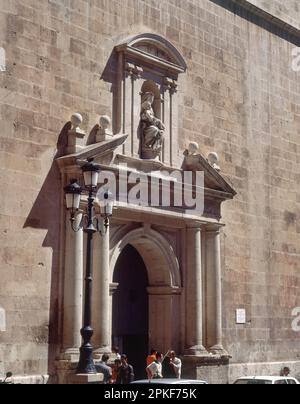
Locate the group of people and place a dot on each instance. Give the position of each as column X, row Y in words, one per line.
column 157, row 367
column 120, row 373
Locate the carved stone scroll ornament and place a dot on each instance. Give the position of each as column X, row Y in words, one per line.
column 152, row 130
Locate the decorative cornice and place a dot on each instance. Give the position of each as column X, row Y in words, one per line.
column 262, row 18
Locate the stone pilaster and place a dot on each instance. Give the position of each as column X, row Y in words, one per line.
column 73, row 289
column 214, row 270
column 194, row 301
column 103, row 320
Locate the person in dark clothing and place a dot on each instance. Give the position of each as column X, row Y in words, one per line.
column 126, row 372
column 167, row 369
column 285, row 372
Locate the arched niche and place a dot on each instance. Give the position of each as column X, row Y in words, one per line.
column 147, row 61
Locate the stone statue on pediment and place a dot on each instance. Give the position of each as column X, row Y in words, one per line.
column 152, row 130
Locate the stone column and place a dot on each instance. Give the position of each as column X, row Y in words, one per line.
column 215, row 278
column 73, row 289
column 103, row 321
column 194, row 303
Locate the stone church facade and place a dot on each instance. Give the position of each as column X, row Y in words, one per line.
column 146, row 89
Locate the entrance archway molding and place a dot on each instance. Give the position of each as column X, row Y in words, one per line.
column 159, row 257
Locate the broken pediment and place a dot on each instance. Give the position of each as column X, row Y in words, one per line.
column 213, row 180
column 102, row 152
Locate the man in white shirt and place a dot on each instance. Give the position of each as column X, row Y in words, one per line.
column 154, row 371
column 176, row 363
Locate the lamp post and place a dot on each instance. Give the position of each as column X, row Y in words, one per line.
column 91, row 225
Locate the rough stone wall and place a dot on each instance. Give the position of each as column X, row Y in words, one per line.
column 239, row 97
column 259, row 142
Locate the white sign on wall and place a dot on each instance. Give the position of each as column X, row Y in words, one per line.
column 2, row 60
column 2, row 320
column 241, row 317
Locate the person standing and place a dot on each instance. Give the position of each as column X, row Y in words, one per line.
column 126, row 372
column 176, row 364
column 116, row 351
column 152, row 357
column 285, row 372
column 168, row 370
column 115, row 371
column 103, row 368
column 154, row 370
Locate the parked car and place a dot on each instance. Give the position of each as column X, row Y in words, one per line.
column 266, row 380
column 169, row 381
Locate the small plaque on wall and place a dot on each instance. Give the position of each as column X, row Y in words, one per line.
column 241, row 317
column 2, row 320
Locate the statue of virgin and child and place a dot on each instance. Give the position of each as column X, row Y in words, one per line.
column 152, row 130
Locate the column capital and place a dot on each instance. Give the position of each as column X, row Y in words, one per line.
column 195, row 225
column 171, row 85
column 134, row 71
column 213, row 229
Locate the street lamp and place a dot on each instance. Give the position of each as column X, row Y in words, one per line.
column 90, row 225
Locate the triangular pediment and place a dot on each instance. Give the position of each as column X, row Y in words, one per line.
column 213, row 180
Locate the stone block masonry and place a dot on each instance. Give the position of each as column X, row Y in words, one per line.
column 240, row 97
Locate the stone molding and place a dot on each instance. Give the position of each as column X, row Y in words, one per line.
column 164, row 290
column 170, row 60
column 258, row 16
column 136, row 238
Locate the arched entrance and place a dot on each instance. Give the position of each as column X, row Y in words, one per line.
column 146, row 303
column 130, row 329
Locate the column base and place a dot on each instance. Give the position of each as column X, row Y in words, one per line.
column 71, row 355
column 86, row 379
column 64, row 369
column 197, row 350
column 219, row 350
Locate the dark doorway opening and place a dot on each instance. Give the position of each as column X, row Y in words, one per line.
column 131, row 309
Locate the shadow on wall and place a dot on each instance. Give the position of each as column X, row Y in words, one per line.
column 110, row 76
column 46, row 215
